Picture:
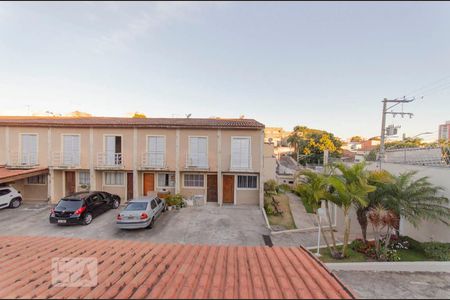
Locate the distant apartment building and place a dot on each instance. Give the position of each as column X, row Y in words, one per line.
column 444, row 131
column 50, row 157
column 276, row 135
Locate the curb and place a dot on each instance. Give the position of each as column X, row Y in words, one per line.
column 420, row 266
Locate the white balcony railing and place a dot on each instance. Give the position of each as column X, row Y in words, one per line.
column 110, row 160
column 23, row 160
column 240, row 163
column 153, row 160
column 195, row 161
column 65, row 160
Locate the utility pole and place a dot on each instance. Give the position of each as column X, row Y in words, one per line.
column 388, row 110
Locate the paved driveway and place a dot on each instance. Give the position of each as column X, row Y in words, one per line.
column 397, row 285
column 194, row 225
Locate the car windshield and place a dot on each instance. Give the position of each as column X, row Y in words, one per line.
column 69, row 204
column 136, row 206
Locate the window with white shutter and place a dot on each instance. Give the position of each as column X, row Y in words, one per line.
column 156, row 151
column 240, row 153
column 29, row 149
column 198, row 152
column 113, row 150
column 71, row 150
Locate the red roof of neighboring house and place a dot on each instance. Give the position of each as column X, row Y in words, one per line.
column 130, row 122
column 8, row 175
column 130, row 269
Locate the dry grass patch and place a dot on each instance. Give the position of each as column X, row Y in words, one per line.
column 283, row 221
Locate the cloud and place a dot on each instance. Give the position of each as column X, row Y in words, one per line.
column 144, row 19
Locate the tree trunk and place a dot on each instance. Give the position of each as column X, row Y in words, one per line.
column 346, row 231
column 332, row 251
column 361, row 214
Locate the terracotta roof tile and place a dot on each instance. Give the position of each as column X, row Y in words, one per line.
column 130, row 122
column 129, row 269
column 8, row 175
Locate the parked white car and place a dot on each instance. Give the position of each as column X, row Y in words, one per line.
column 9, row 197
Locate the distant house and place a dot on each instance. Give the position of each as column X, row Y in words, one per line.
column 287, row 169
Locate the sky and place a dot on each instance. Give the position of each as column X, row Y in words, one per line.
column 323, row 65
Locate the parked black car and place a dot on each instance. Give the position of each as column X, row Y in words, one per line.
column 82, row 207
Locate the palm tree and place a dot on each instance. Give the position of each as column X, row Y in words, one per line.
column 379, row 179
column 314, row 189
column 351, row 188
column 416, row 199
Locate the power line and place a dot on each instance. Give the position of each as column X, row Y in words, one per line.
column 427, row 86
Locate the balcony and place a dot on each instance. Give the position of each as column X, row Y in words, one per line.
column 196, row 162
column 22, row 160
column 109, row 161
column 241, row 163
column 65, row 160
column 153, row 161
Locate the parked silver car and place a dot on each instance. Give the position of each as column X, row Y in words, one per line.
column 141, row 213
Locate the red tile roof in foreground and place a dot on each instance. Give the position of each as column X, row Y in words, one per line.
column 8, row 175
column 129, row 269
column 130, row 122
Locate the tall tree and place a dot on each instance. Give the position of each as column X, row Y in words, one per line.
column 357, row 139
column 379, row 179
column 416, row 199
column 351, row 188
column 313, row 189
column 311, row 143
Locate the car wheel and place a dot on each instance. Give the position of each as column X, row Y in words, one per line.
column 115, row 204
column 87, row 219
column 152, row 222
column 15, row 203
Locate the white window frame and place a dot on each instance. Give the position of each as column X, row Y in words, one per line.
column 121, row 146
column 112, row 172
column 79, row 177
column 21, row 146
column 247, row 188
column 42, row 175
column 194, row 187
column 249, row 153
column 164, row 186
column 207, row 150
column 149, row 152
column 79, row 146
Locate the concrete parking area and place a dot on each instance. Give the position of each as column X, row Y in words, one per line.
column 397, row 285
column 228, row 225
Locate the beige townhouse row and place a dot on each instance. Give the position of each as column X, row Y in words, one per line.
column 220, row 160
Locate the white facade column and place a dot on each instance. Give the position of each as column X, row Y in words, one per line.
column 93, row 183
column 219, row 168
column 7, row 145
column 261, row 170
column 135, row 163
column 177, row 163
column 51, row 175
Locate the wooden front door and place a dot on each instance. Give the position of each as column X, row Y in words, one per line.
column 129, row 186
column 149, row 183
column 70, row 182
column 211, row 193
column 228, row 188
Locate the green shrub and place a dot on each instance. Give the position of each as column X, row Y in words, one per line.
column 438, row 251
column 175, row 200
column 283, row 188
column 358, row 245
column 270, row 187
column 413, row 244
column 269, row 209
